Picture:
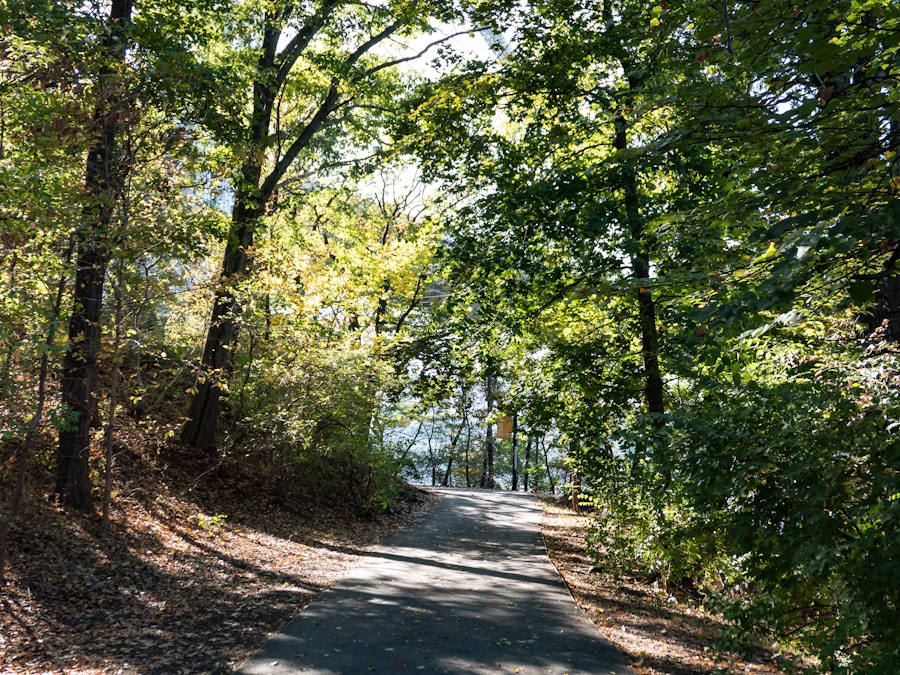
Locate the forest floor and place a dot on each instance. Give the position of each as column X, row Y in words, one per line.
column 193, row 574
column 659, row 633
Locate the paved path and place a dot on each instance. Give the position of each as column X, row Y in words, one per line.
column 468, row 589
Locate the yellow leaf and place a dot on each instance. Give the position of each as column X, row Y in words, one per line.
column 772, row 250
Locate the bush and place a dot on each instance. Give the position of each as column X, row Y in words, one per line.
column 803, row 472
column 654, row 534
column 313, row 418
column 778, row 497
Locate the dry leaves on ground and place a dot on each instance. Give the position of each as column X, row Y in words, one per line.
column 170, row 587
column 184, row 582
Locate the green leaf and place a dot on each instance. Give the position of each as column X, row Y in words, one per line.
column 861, row 292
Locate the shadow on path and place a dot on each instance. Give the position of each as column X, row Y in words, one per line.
column 469, row 589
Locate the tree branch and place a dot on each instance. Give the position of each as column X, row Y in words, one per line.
column 328, row 106
column 413, row 57
column 292, row 51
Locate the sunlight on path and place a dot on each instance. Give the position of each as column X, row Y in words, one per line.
column 469, row 589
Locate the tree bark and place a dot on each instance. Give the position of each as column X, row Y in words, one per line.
column 104, row 173
column 466, row 454
column 527, row 463
column 24, row 454
column 253, row 195
column 640, row 263
column 515, row 453
column 487, row 478
column 445, row 481
column 109, row 434
column 216, row 362
column 200, row 429
column 453, row 443
column 547, row 465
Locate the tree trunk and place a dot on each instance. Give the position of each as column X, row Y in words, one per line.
column 640, row 263
column 453, row 443
column 446, row 480
column 200, row 429
column 527, row 463
column 482, row 483
column 432, row 459
column 515, row 453
column 109, row 435
column 216, row 362
column 24, row 454
column 487, row 480
column 253, row 195
column 547, row 465
column 466, row 455
column 255, row 192
column 104, row 174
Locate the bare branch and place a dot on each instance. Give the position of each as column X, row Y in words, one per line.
column 417, row 55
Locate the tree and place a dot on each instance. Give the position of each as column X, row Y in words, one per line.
column 299, row 84
column 104, row 177
column 741, row 161
column 99, row 109
column 40, row 152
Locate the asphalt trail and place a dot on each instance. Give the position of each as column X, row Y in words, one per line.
column 467, row 589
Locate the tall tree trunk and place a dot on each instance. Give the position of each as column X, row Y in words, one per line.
column 527, row 463
column 487, row 479
column 445, row 481
column 216, row 362
column 482, row 483
column 640, row 263
column 109, row 434
column 515, row 452
column 255, row 192
column 253, row 195
column 104, row 174
column 547, row 465
column 200, row 429
column 453, row 443
column 24, row 454
column 431, row 456
column 466, row 455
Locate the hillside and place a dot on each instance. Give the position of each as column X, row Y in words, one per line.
column 198, row 566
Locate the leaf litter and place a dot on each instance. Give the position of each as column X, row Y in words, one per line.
column 190, row 577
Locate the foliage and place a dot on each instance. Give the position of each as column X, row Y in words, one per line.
column 308, row 419
column 704, row 194
column 757, row 181
column 802, row 474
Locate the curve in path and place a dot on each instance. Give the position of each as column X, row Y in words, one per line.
column 468, row 589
